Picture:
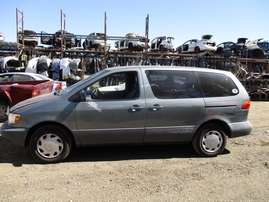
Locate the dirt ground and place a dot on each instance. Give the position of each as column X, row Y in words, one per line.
column 144, row 173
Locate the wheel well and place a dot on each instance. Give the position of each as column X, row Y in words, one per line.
column 33, row 129
column 226, row 129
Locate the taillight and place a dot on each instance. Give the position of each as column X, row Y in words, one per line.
column 246, row 105
column 59, row 86
column 34, row 92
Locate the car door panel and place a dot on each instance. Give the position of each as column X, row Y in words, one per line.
column 110, row 122
column 174, row 113
column 176, row 120
column 112, row 119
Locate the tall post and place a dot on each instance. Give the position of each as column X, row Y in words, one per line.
column 19, row 28
column 105, row 51
column 63, row 43
column 147, row 39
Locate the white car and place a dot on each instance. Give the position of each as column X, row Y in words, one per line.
column 97, row 41
column 25, row 76
column 197, row 46
column 132, row 41
column 2, row 38
column 162, row 43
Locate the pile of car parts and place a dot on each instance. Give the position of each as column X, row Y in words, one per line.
column 258, row 87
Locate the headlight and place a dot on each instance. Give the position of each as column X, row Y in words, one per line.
column 14, row 118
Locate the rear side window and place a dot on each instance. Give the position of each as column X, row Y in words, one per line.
column 173, row 84
column 216, row 85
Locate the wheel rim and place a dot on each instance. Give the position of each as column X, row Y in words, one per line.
column 3, row 112
column 50, row 146
column 212, row 141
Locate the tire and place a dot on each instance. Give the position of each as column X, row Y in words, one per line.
column 161, row 48
column 197, row 50
column 4, row 107
column 130, row 47
column 209, row 141
column 179, row 50
column 50, row 144
column 97, row 47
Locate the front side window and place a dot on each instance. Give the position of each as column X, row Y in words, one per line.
column 122, row 85
column 216, row 85
column 173, row 84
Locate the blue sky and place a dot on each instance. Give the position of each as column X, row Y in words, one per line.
column 184, row 19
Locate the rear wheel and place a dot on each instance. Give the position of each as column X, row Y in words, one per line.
column 210, row 140
column 197, row 50
column 3, row 110
column 161, row 48
column 50, row 144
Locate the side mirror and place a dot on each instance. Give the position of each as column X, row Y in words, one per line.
column 82, row 96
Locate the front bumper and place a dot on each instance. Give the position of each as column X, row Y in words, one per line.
column 15, row 136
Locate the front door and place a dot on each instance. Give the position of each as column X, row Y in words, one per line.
column 113, row 112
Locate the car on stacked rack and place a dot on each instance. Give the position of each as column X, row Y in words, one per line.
column 97, row 41
column 61, row 37
column 162, row 43
column 196, row 46
column 28, row 38
column 132, row 41
column 238, row 48
column 2, row 38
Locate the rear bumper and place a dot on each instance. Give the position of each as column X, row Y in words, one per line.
column 240, row 129
column 15, row 136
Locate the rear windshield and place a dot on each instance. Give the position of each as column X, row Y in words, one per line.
column 216, row 85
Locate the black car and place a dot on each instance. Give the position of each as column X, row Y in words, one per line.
column 56, row 39
column 237, row 48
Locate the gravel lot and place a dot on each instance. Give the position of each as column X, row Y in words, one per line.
column 144, row 173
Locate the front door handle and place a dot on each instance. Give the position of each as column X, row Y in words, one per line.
column 135, row 108
column 155, row 107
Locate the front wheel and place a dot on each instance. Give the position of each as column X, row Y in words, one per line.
column 130, row 47
column 209, row 141
column 3, row 110
column 50, row 144
column 179, row 50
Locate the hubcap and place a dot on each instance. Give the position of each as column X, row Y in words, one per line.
column 212, row 141
column 49, row 146
column 3, row 112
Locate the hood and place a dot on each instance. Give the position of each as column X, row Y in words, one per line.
column 207, row 37
column 39, row 99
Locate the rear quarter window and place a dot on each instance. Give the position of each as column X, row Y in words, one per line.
column 216, row 85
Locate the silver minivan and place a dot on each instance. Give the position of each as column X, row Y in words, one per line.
column 133, row 105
